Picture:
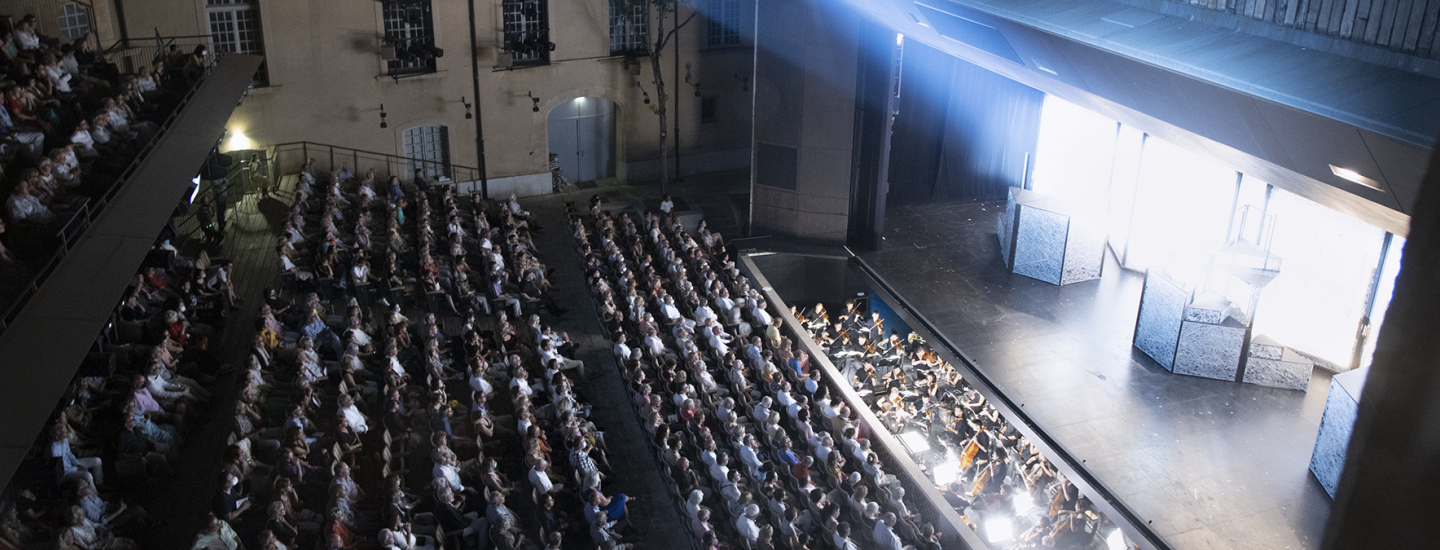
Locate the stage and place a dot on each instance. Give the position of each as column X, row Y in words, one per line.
column 1209, row 464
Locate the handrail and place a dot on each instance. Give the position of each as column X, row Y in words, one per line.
column 958, row 536
column 375, row 153
column 1098, row 493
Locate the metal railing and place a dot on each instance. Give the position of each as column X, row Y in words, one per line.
column 1105, row 501
column 71, row 232
column 290, row 158
column 130, row 54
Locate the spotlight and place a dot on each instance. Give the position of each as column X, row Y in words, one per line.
column 534, row 102
column 382, row 116
column 999, row 529
column 467, row 107
column 914, row 442
column 1116, row 540
column 1354, row 176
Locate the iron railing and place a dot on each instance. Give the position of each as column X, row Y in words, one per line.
column 290, row 158
column 129, row 54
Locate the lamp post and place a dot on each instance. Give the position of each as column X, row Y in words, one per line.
column 479, row 127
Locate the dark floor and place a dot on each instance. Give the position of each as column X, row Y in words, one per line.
column 1210, row 464
column 253, row 223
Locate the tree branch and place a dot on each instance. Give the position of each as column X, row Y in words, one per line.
column 667, row 36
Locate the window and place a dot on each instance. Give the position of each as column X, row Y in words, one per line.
column 428, row 148
column 709, row 107
column 527, row 31
column 1318, row 300
column 629, row 26
column 411, row 31
column 235, row 28
column 74, row 20
column 722, row 27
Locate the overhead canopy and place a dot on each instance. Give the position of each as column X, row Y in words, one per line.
column 1278, row 111
column 43, row 348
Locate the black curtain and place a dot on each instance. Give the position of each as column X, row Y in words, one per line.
column 990, row 132
column 963, row 132
column 919, row 130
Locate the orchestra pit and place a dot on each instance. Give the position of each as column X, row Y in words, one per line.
column 719, row 274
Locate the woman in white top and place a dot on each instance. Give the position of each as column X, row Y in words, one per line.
column 145, row 82
column 309, row 360
column 84, row 143
column 25, row 37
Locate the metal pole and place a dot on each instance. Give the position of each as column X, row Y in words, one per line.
column 675, row 88
column 479, row 128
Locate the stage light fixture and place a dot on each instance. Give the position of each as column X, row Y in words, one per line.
column 1115, row 540
column 999, row 529
column 945, row 472
column 534, row 102
column 383, row 124
column 1355, row 177
column 1023, row 503
column 914, row 442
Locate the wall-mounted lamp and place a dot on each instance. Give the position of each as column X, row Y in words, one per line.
column 696, row 84
column 467, row 107
column 534, row 102
column 1353, row 176
column 643, row 93
column 382, row 116
column 744, row 82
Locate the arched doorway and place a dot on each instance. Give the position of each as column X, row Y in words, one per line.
column 582, row 137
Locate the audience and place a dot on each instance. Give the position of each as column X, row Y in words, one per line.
column 69, row 124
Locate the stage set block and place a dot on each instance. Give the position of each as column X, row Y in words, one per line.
column 1051, row 240
column 1331, row 444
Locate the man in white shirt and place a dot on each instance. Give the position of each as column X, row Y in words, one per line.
column 216, row 535
column 548, row 353
column 720, row 469
column 623, row 352
column 668, row 309
column 746, row 526
column 762, row 317
column 541, row 480
column 884, row 533
column 26, row 207
column 751, row 460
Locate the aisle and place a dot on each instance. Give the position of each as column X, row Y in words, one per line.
column 657, row 523
column 181, row 501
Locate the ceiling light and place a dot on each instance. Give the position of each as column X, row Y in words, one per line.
column 1353, row 176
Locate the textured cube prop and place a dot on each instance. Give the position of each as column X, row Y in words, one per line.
column 1271, row 364
column 1331, row 444
column 1050, row 240
column 1162, row 309
column 1210, row 351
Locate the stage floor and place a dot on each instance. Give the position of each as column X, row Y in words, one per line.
column 1211, row 464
